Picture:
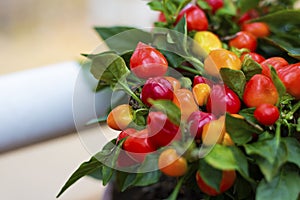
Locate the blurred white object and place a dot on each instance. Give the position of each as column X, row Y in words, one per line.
column 134, row 13
column 37, row 104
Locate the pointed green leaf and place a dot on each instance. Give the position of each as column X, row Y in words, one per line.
column 270, row 170
column 168, row 107
column 234, row 79
column 156, row 5
column 210, row 175
column 267, row 149
column 250, row 67
column 240, row 130
column 121, row 38
column 246, row 5
column 283, row 186
column 293, row 150
column 228, row 158
column 84, row 169
column 278, row 83
column 110, row 69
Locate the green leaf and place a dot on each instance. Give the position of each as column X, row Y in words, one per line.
column 228, row 158
column 234, row 79
column 110, row 69
column 147, row 178
column 250, row 67
column 179, row 34
column 264, row 148
column 298, row 124
column 203, row 5
column 168, row 107
column 107, row 173
column 127, row 181
column 174, row 60
column 139, row 118
column 91, row 166
column 210, row 175
column 282, row 20
column 242, row 162
column 181, row 27
column 146, row 175
column 283, row 186
column 84, row 169
column 240, row 130
column 97, row 174
column 243, row 188
column 278, row 84
column 221, row 157
column 186, row 82
column 285, row 27
column 228, row 9
column 246, row 5
column 248, row 113
column 170, row 6
column 293, row 150
column 156, row 5
column 271, row 169
column 122, row 38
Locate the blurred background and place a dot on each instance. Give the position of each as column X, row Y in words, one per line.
column 35, row 33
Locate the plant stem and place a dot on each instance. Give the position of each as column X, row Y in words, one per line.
column 194, row 71
column 129, row 91
column 277, row 133
column 196, row 62
column 293, row 110
column 176, row 190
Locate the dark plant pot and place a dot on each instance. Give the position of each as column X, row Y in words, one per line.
column 157, row 191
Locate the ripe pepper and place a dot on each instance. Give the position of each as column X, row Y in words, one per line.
column 290, row 76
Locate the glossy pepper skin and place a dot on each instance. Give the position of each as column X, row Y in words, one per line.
column 147, row 61
column 215, row 4
column 161, row 130
column 290, row 76
column 227, row 181
column 276, row 62
column 156, row 88
column 244, row 39
column 196, row 121
column 259, row 90
column 138, row 146
column 222, row 99
column 258, row 29
column 266, row 114
column 255, row 56
column 195, row 18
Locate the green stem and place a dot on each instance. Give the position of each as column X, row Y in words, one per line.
column 194, row 71
column 175, row 192
column 277, row 133
column 129, row 91
column 196, row 63
column 294, row 109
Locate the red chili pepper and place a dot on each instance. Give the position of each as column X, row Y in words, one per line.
column 161, row 130
column 290, row 76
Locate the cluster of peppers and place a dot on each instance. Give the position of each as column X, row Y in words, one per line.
column 236, row 82
column 205, row 103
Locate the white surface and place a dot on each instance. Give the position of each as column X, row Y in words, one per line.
column 37, row 104
column 134, row 13
column 38, row 172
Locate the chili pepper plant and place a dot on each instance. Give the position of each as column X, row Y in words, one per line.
column 211, row 101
